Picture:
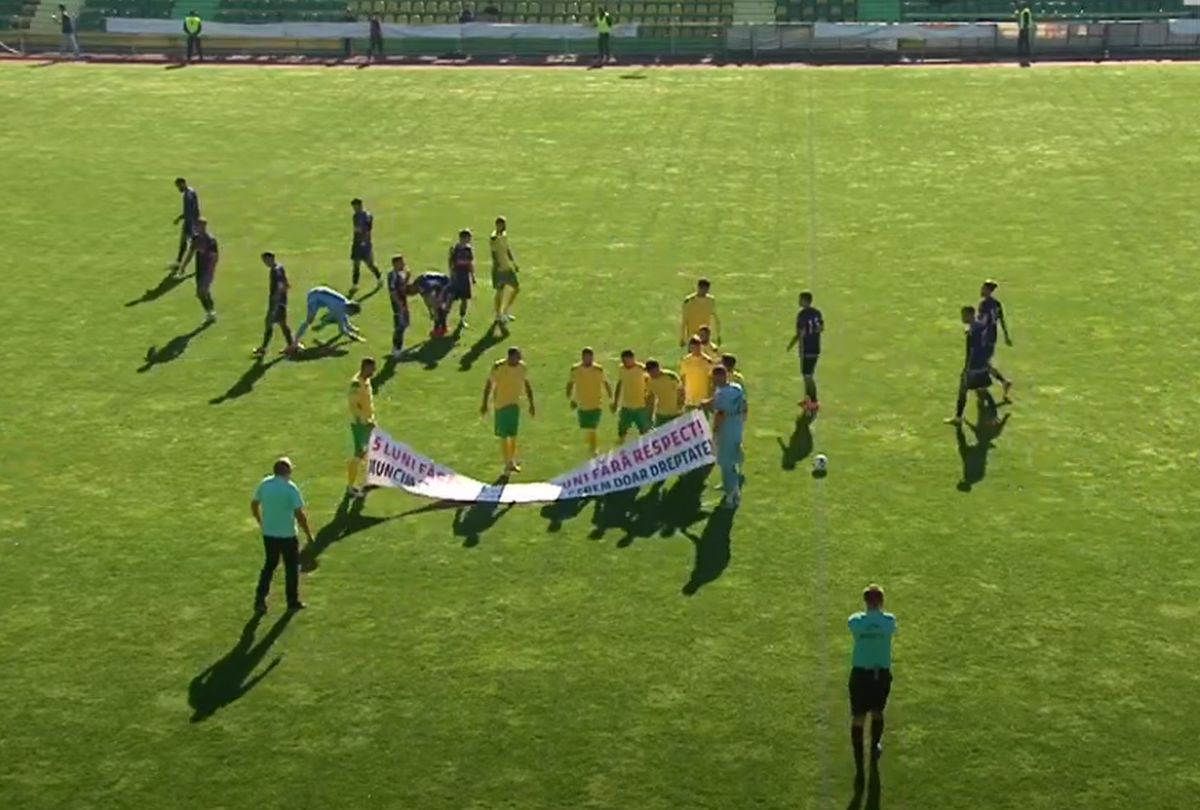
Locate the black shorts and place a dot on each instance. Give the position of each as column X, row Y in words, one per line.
column 808, row 364
column 460, row 285
column 989, row 352
column 976, row 379
column 277, row 313
column 869, row 690
column 205, row 270
column 362, row 252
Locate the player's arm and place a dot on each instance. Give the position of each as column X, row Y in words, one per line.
column 796, row 335
column 487, row 392
column 683, row 324
column 570, row 391
column 302, row 519
column 256, row 510
column 680, row 396
column 529, row 393
column 1003, row 324
column 616, row 397
column 607, row 388
column 715, row 325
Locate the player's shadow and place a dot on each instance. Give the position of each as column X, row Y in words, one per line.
column 486, row 341
column 371, row 293
column 346, row 521
column 173, row 349
column 873, row 795
column 799, row 446
column 245, row 383
column 975, row 456
column 169, row 282
column 470, row 520
column 559, row 512
column 432, row 350
column 319, row 351
column 232, row 676
column 659, row 511
column 712, row 550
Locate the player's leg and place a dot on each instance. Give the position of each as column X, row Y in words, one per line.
column 961, row 404
column 270, row 563
column 858, row 718
column 624, row 422
column 185, row 236
column 268, row 328
column 370, row 259
column 882, row 688
column 290, row 550
column 355, row 272
column 514, row 289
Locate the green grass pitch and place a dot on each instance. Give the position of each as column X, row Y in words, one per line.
column 1046, row 655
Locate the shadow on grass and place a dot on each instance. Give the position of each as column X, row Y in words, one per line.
column 470, row 520
column 874, row 793
column 975, row 456
column 799, row 446
column 245, row 383
column 487, row 340
column 231, row 677
column 660, row 510
column 169, row 282
column 712, row 550
column 428, row 352
column 346, row 521
column 173, row 349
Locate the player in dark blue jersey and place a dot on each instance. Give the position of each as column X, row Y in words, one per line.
column 277, row 301
column 809, row 326
column 397, row 285
column 976, row 375
column 361, row 249
column 434, row 289
column 462, row 273
column 992, row 314
column 188, row 219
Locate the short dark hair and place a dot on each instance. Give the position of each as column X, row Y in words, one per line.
column 703, row 283
column 464, row 232
column 694, row 339
column 806, row 297
column 587, row 350
column 627, row 353
column 179, row 180
column 356, row 201
column 873, row 594
column 651, row 364
column 282, row 467
column 268, row 255
column 720, row 370
column 968, row 310
column 398, row 257
column 367, row 361
column 728, row 361
column 513, row 350
column 354, row 308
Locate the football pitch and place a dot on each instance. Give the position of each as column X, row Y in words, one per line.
column 649, row 652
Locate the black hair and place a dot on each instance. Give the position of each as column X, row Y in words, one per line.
column 627, row 353
column 806, row 297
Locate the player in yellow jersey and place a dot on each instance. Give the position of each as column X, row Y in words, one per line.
column 504, row 386
column 585, row 389
column 504, row 272
column 362, row 422
column 666, row 393
column 695, row 370
column 631, row 396
column 699, row 309
column 706, row 343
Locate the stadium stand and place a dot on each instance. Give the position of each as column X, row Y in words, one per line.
column 17, row 14
column 999, row 10
column 91, row 16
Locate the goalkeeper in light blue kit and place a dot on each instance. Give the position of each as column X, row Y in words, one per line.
column 728, row 406
column 338, row 305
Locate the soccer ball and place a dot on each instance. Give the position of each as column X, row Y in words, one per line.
column 820, row 463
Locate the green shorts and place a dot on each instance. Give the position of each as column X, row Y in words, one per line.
column 361, row 436
column 508, row 421
column 589, row 420
column 633, row 417
column 505, row 278
column 661, row 419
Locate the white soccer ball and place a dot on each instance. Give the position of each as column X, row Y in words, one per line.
column 820, row 463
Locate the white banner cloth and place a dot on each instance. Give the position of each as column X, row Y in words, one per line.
column 675, row 448
column 1185, row 28
column 355, row 30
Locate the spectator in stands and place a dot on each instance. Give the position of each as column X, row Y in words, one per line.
column 376, row 51
column 68, row 30
column 466, row 16
column 347, row 43
column 1025, row 34
column 604, row 23
column 192, row 25
column 491, row 13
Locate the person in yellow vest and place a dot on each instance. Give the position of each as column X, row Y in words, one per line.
column 1026, row 26
column 604, row 24
column 191, row 27
column 699, row 309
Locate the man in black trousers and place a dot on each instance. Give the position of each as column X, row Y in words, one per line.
column 278, row 507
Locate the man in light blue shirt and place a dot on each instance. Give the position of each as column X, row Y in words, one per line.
column 338, row 305
column 278, row 507
column 729, row 419
column 870, row 674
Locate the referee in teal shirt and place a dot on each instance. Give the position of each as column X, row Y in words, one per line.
column 277, row 507
column 870, row 673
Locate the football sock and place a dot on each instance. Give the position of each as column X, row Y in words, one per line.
column 876, row 732
column 512, row 449
column 504, row 451
column 998, row 376
column 856, row 741
column 287, row 333
column 351, row 472
column 354, row 276
column 810, row 388
column 591, row 441
column 499, row 303
column 267, row 336
column 961, row 405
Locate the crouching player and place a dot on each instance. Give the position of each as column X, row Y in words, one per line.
column 338, row 305
column 434, row 289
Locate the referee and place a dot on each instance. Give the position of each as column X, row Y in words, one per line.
column 278, row 507
column 870, row 674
